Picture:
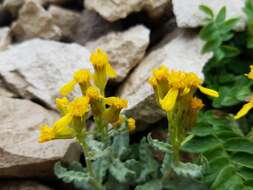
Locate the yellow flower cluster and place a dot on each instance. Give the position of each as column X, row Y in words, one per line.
column 169, row 85
column 74, row 113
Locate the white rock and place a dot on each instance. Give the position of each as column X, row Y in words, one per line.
column 181, row 51
column 22, row 185
column 21, row 154
column 113, row 10
column 125, row 49
column 66, row 20
column 6, row 92
column 37, row 68
column 188, row 14
column 91, row 26
column 5, row 38
column 34, row 21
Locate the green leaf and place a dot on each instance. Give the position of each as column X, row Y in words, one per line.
column 223, row 176
column 239, row 145
column 201, row 144
column 203, row 129
column 221, row 15
column 229, row 24
column 79, row 178
column 243, row 159
column 166, row 165
column 211, row 45
column 188, row 170
column 100, row 167
column 162, row 146
column 206, row 10
column 120, row 172
column 120, row 145
column 246, row 173
column 151, row 185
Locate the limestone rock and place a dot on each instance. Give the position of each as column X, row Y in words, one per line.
column 66, row 20
column 36, row 69
column 181, row 51
column 13, row 6
column 113, row 10
column 5, row 92
column 92, row 26
column 5, row 38
column 34, row 21
column 20, row 153
column 22, row 185
column 125, row 49
column 188, row 14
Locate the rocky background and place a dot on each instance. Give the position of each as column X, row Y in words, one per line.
column 43, row 41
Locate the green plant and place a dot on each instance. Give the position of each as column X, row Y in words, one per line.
column 224, row 150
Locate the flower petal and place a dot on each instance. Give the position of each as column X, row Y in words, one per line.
column 244, row 110
column 110, row 71
column 168, row 102
column 67, row 88
column 208, row 91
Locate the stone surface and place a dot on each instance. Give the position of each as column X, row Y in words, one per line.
column 181, row 51
column 113, row 10
column 5, row 38
column 22, row 185
column 66, row 20
column 36, row 69
column 20, row 153
column 125, row 49
column 35, row 22
column 188, row 14
column 92, row 26
column 5, row 92
column 13, row 6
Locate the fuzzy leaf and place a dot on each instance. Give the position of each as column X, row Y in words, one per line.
column 151, row 185
column 162, row 146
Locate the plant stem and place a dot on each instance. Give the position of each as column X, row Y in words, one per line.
column 94, row 181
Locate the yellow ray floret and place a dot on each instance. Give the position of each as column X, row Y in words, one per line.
column 250, row 74
column 59, row 130
column 81, row 77
column 245, row 109
column 93, row 93
column 168, row 102
column 131, row 124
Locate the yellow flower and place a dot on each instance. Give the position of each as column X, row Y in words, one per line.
column 103, row 69
column 115, row 104
column 79, row 106
column 96, row 100
column 250, row 74
column 81, row 77
column 131, row 124
column 245, row 109
column 62, row 104
column 196, row 103
column 59, row 130
column 169, row 85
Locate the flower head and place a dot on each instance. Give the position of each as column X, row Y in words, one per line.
column 96, row 100
column 103, row 69
column 81, row 77
column 169, row 85
column 79, row 106
column 62, row 104
column 59, row 130
column 115, row 104
column 196, row 103
column 131, row 124
column 245, row 109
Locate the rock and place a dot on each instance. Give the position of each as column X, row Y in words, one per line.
column 5, row 38
column 22, row 185
column 36, row 69
column 181, row 51
column 92, row 26
column 5, row 17
column 13, row 6
column 5, row 92
column 113, row 10
column 125, row 49
column 188, row 14
column 66, row 20
column 35, row 22
column 21, row 154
